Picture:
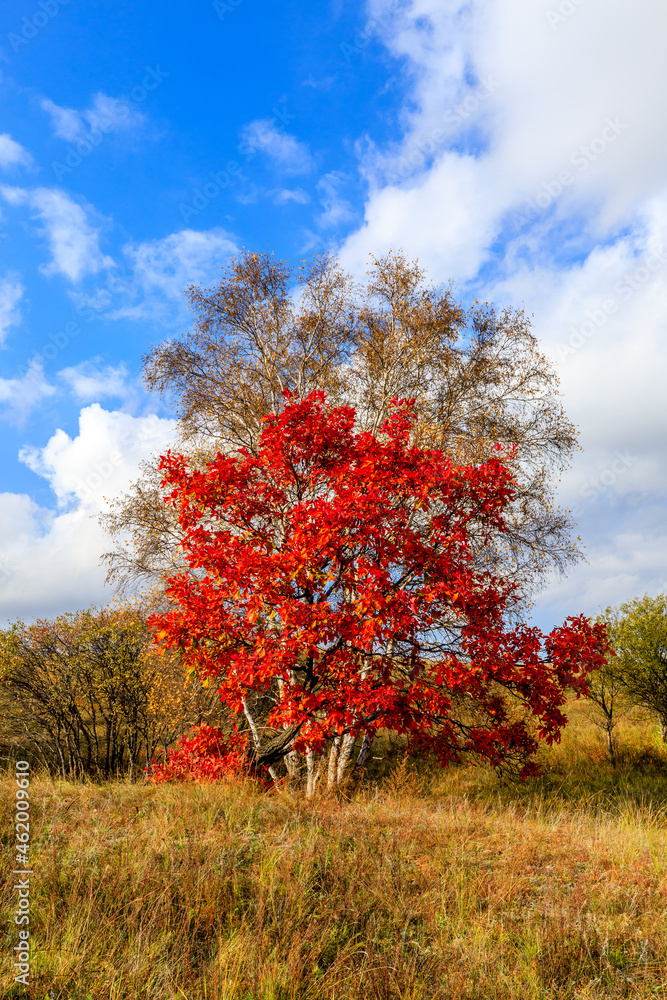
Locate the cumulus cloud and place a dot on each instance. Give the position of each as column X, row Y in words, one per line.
column 105, row 114
column 21, row 395
column 21, row 520
column 74, row 243
column 163, row 269
column 501, row 104
column 285, row 152
column 88, row 381
column 12, row 153
column 102, row 458
column 49, row 560
column 11, row 293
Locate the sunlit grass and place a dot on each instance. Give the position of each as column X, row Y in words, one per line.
column 444, row 886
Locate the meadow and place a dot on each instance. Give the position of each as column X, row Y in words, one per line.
column 415, row 885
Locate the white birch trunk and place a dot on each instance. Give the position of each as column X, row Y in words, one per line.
column 255, row 735
column 663, row 728
column 332, row 770
column 292, row 759
column 314, row 767
column 293, row 765
column 344, row 757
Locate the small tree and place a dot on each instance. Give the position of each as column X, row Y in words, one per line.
column 638, row 636
column 608, row 696
column 332, row 591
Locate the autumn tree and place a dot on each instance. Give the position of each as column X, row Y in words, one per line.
column 638, row 635
column 332, row 589
column 608, row 698
column 476, row 375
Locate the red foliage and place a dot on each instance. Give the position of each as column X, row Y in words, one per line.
column 335, row 570
column 206, row 755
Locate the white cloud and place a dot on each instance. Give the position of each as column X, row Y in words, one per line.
column 21, row 395
column 87, row 381
column 73, row 241
column 13, row 153
column 620, row 565
column 286, row 152
column 500, row 104
column 163, row 269
column 336, row 209
column 286, row 195
column 21, row 519
column 106, row 114
column 530, row 167
column 49, row 561
column 13, row 195
column 603, row 321
column 11, row 292
column 102, row 458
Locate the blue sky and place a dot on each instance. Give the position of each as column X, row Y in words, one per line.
column 514, row 146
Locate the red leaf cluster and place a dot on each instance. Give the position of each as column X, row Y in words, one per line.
column 206, row 755
column 333, row 572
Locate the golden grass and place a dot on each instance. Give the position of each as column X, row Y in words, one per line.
column 417, row 888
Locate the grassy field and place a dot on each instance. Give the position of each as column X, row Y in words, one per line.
column 444, row 886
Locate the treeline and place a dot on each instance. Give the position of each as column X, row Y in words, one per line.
column 89, row 694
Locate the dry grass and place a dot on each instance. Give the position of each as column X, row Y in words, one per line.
column 417, row 888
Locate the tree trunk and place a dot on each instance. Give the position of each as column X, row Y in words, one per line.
column 610, row 746
column 344, row 757
column 663, row 728
column 333, row 761
column 256, row 739
column 293, row 765
column 314, row 772
column 365, row 751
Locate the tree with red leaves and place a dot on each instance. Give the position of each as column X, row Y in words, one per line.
column 332, row 592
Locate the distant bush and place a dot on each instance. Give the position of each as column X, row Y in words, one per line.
column 628, row 754
column 87, row 694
